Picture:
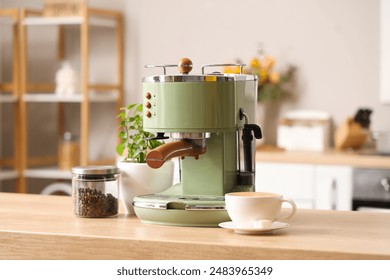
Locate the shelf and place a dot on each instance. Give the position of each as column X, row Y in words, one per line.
column 8, row 17
column 7, row 98
column 8, row 175
column 45, row 93
column 76, row 20
column 48, row 173
column 76, row 98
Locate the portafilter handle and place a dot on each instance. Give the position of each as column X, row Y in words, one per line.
column 182, row 148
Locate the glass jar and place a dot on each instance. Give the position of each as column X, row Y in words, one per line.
column 95, row 191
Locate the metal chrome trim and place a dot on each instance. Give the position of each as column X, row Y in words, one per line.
column 95, row 170
column 190, row 135
column 164, row 66
column 199, row 78
column 154, row 205
column 163, row 206
column 204, row 207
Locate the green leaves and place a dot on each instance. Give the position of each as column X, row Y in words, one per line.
column 132, row 137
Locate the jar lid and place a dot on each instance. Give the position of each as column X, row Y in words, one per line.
column 95, row 170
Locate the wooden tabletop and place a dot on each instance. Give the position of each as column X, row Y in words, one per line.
column 44, row 227
column 361, row 159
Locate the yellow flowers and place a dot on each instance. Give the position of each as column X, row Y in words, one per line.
column 268, row 62
column 264, row 69
column 274, row 77
column 272, row 85
column 254, row 63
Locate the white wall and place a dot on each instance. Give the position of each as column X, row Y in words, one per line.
column 334, row 44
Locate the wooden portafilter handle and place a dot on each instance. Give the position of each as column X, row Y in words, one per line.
column 156, row 157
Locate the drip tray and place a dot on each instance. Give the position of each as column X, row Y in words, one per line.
column 199, row 211
column 180, row 202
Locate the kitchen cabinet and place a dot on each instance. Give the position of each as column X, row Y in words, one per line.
column 333, row 187
column 294, row 181
column 9, row 97
column 78, row 28
column 309, row 185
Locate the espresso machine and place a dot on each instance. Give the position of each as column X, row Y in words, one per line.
column 207, row 117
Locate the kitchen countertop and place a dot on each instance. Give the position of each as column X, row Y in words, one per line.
column 362, row 159
column 44, row 227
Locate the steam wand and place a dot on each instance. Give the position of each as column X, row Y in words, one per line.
column 247, row 139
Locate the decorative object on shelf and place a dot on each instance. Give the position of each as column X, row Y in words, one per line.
column 137, row 177
column 54, row 8
column 66, row 80
column 68, row 152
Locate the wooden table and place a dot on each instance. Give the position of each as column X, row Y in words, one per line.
column 44, row 227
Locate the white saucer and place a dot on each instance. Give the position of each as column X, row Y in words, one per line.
column 274, row 226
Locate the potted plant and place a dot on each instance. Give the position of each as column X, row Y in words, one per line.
column 137, row 178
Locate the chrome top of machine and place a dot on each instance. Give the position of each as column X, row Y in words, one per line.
column 215, row 77
column 185, row 66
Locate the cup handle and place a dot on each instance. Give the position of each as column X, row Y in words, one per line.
column 293, row 209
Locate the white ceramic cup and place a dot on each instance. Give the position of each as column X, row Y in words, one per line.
column 256, row 209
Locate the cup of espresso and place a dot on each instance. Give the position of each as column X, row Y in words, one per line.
column 256, row 209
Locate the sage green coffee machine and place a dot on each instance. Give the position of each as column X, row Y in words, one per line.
column 207, row 117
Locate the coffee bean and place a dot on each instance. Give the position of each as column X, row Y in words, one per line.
column 93, row 203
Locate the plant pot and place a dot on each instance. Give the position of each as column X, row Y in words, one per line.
column 139, row 179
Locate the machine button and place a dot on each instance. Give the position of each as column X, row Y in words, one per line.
column 148, row 105
column 148, row 95
column 148, row 114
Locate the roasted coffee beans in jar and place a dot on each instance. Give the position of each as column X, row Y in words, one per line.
column 95, row 191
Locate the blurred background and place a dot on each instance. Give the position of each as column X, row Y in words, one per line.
column 334, row 47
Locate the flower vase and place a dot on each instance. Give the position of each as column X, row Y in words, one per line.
column 268, row 118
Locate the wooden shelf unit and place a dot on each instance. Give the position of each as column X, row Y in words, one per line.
column 10, row 168
column 44, row 92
